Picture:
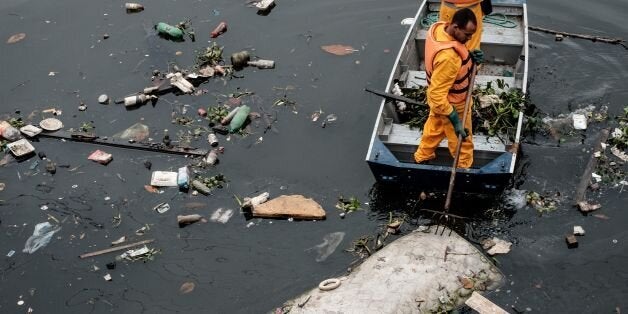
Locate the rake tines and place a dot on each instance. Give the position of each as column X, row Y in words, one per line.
column 445, row 219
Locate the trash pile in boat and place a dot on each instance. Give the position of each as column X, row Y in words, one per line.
column 495, row 111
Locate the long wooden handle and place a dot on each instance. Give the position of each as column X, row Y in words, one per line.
column 467, row 107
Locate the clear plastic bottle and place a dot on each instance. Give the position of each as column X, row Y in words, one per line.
column 262, row 64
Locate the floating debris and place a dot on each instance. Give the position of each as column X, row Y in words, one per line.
column 15, row 38
column 328, row 246
column 162, row 208
column 496, row 246
column 187, row 287
column 339, row 50
column 542, row 204
column 121, row 240
column 348, row 205
column 221, row 215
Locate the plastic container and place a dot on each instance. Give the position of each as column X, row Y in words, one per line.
column 240, row 59
column 240, row 117
column 212, row 139
column 220, row 29
column 169, row 31
column 183, row 178
column 21, row 148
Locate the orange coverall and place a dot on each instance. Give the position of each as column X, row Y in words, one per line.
column 447, row 64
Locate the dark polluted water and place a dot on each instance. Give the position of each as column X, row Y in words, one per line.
column 250, row 266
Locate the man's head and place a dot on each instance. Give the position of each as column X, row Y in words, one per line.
column 463, row 25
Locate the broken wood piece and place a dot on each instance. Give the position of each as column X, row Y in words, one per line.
column 185, row 220
column 290, row 206
column 581, row 190
column 483, row 305
column 117, row 248
column 585, row 207
column 571, row 240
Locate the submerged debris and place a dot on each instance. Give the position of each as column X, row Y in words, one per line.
column 542, row 204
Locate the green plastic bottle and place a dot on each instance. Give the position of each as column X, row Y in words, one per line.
column 169, row 30
column 239, row 119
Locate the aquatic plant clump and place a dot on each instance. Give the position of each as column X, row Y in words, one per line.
column 213, row 182
column 348, row 205
column 619, row 136
column 216, row 113
column 211, row 56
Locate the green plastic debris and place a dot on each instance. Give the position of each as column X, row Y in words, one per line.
column 239, row 119
column 169, row 31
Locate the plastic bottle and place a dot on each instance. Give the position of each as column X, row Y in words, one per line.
column 262, row 64
column 229, row 116
column 201, row 187
column 183, row 178
column 169, row 31
column 139, row 99
column 220, row 29
column 239, row 119
column 212, row 157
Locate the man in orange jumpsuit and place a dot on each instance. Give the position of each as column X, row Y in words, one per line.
column 448, row 65
column 449, row 7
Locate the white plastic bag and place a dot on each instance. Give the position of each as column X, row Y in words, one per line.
column 41, row 237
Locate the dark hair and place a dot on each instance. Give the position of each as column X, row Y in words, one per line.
column 464, row 16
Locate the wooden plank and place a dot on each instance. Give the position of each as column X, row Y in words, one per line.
column 117, row 248
column 289, row 206
column 483, row 305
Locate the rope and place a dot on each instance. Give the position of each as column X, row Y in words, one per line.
column 498, row 19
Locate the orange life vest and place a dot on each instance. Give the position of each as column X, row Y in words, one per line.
column 457, row 92
column 459, row 2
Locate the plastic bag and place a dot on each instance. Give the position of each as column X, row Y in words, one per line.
column 137, row 132
column 41, row 237
column 329, row 245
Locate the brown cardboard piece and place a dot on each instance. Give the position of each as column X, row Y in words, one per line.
column 290, row 206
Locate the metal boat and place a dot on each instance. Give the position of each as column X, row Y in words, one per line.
column 390, row 153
